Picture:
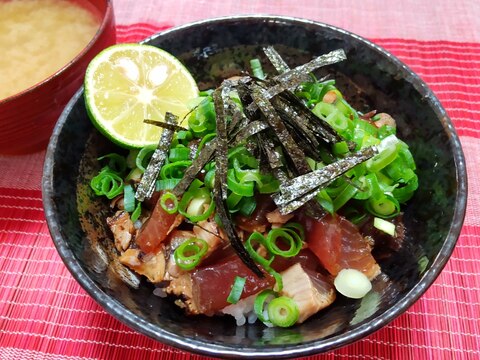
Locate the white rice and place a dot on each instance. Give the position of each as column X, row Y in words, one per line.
column 242, row 311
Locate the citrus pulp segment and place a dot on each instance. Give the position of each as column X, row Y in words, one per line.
column 128, row 83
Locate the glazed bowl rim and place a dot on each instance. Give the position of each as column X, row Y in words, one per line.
column 116, row 309
column 106, row 16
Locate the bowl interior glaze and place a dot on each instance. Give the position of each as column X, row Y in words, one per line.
column 371, row 79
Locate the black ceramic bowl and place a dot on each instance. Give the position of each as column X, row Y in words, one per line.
column 371, row 78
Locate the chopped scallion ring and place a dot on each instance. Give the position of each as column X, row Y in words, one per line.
column 107, row 183
column 116, row 163
column 259, row 305
column 137, row 212
column 189, row 254
column 169, row 203
column 283, row 311
column 129, row 198
column 196, row 204
column 237, row 290
column 289, row 238
column 384, row 225
column 352, row 283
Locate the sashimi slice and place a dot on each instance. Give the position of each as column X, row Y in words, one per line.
column 339, row 245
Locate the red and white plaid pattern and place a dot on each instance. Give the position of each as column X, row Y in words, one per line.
column 45, row 314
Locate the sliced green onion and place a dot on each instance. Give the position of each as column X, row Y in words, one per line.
column 352, row 283
column 388, row 151
column 344, row 106
column 166, row 184
column 338, row 121
column 194, row 202
column 259, row 305
column 174, row 170
column 258, row 238
column 385, row 206
column 197, row 204
column 241, row 153
column 116, row 163
column 137, row 212
column 247, row 206
column 179, row 153
column 295, row 228
column 325, row 201
column 384, row 225
column 323, row 110
column 404, row 193
column 386, row 130
column 365, row 190
column 184, row 135
column 348, row 192
column 169, row 203
column 144, row 156
column 237, row 289
column 189, row 254
column 269, row 185
column 340, row 148
column 232, row 201
column 278, row 279
column 236, row 99
column 205, row 140
column 244, row 189
column 210, row 179
column 107, row 183
column 134, row 175
column 289, row 238
column 202, row 120
column 257, row 70
column 283, row 311
column 128, row 198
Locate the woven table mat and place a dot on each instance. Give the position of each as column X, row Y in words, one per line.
column 45, row 314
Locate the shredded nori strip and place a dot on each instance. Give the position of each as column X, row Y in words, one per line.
column 280, row 131
column 293, row 150
column 277, row 61
column 232, row 235
column 239, row 120
column 221, row 161
column 165, row 125
column 146, row 186
column 291, row 79
column 251, row 129
column 272, row 157
column 322, row 130
column 297, row 191
column 205, row 155
column 301, row 117
column 298, row 128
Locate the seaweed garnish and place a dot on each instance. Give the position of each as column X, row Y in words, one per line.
column 249, row 130
column 291, row 79
column 147, row 185
column 277, row 61
column 297, row 191
column 232, row 235
column 278, row 126
column 165, row 125
column 220, row 101
column 281, row 132
column 205, row 155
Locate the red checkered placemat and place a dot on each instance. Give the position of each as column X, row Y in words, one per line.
column 45, row 314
